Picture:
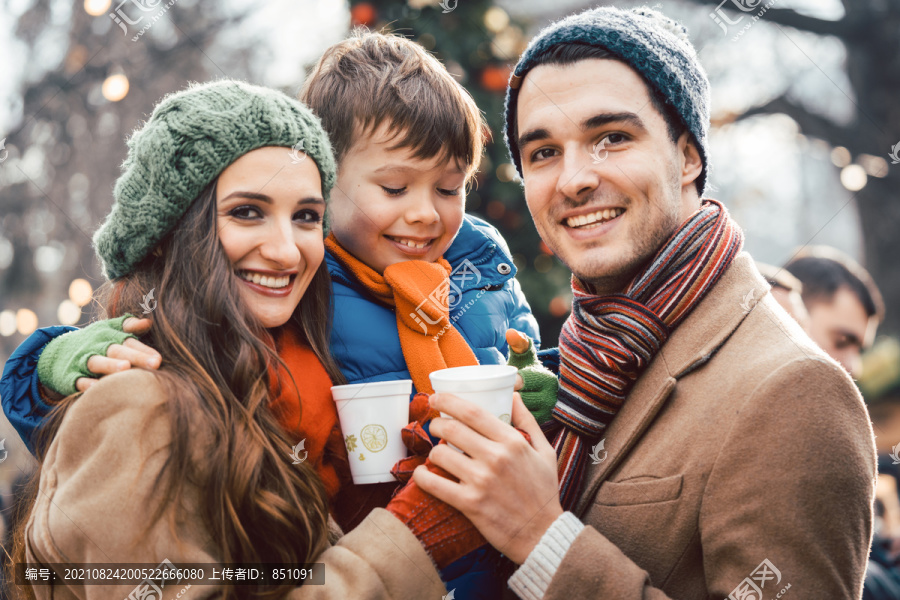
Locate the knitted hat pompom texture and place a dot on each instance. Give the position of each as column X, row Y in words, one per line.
column 651, row 43
column 190, row 138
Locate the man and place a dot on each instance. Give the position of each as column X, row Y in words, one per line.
column 787, row 291
column 704, row 447
column 843, row 302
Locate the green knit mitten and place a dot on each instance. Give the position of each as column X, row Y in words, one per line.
column 65, row 358
column 541, row 385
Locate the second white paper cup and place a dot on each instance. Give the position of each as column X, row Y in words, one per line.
column 488, row 386
column 372, row 415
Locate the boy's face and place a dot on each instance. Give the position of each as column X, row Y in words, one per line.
column 389, row 206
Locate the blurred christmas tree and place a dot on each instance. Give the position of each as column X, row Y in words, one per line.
column 479, row 44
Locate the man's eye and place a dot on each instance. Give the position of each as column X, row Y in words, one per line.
column 393, row 191
column 611, row 139
column 542, row 153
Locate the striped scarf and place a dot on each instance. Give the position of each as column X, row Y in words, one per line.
column 608, row 341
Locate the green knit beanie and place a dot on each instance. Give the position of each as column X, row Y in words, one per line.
column 190, row 138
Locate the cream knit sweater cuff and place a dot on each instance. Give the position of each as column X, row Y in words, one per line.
column 531, row 580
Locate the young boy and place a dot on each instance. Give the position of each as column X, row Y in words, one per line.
column 418, row 284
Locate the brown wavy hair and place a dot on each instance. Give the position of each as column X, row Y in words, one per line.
column 256, row 505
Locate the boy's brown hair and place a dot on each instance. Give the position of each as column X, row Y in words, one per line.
column 374, row 78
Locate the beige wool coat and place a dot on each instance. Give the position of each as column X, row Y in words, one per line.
column 742, row 465
column 97, row 491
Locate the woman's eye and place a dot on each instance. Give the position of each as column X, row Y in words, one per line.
column 454, row 192
column 393, row 191
column 245, row 212
column 308, row 216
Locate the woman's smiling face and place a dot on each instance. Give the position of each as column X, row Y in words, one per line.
column 269, row 218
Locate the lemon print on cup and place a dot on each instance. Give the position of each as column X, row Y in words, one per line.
column 373, row 437
column 506, row 419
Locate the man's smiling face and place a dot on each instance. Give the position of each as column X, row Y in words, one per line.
column 604, row 182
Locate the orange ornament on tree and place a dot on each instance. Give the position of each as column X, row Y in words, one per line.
column 495, row 77
column 363, row 14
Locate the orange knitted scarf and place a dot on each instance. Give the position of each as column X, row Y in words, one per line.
column 418, row 291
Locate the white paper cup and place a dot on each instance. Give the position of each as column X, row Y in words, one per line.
column 488, row 386
column 372, row 415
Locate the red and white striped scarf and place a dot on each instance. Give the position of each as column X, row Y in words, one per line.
column 608, row 341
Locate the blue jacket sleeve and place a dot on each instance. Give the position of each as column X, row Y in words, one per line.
column 19, row 385
column 549, row 357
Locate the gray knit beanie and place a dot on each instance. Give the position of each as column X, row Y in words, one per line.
column 649, row 42
column 190, row 138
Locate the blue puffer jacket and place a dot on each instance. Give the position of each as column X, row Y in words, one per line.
column 490, row 302
column 485, row 301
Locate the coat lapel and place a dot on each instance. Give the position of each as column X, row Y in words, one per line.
column 691, row 345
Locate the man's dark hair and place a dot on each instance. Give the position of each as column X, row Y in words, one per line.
column 823, row 271
column 572, row 52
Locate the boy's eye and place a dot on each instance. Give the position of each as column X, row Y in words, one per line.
column 454, row 192
column 245, row 212
column 393, row 191
column 308, row 216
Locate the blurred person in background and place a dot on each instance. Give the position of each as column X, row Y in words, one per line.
column 787, row 291
column 844, row 304
column 880, row 384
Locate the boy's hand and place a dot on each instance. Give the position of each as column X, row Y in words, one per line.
column 537, row 384
column 73, row 361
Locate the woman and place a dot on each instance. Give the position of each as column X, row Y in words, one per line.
column 191, row 464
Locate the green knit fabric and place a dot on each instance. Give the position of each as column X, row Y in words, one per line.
column 540, row 384
column 190, row 138
column 65, row 358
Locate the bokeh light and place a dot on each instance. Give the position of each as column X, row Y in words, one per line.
column 115, row 87
column 80, row 292
column 95, row 8
column 496, row 19
column 7, row 323
column 854, row 177
column 68, row 312
column 26, row 321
